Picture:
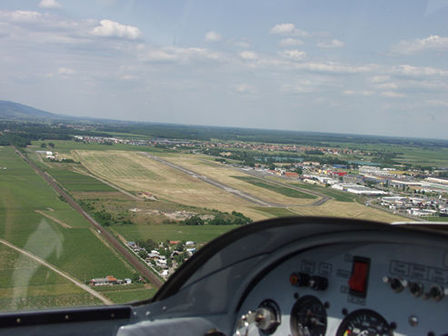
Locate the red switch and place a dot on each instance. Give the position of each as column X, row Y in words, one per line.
column 360, row 274
column 293, row 279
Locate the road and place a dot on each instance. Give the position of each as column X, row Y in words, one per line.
column 99, row 296
column 132, row 259
column 215, row 183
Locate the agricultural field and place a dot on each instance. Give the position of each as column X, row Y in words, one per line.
column 418, row 155
column 76, row 182
column 33, row 217
column 348, row 210
column 65, row 147
column 25, row 284
column 163, row 232
column 129, row 293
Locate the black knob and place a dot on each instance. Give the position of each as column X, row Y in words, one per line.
column 397, row 285
column 318, row 283
column 436, row 293
column 416, row 288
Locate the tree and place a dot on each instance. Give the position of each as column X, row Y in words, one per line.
column 143, row 254
column 51, row 144
column 43, row 145
column 194, row 220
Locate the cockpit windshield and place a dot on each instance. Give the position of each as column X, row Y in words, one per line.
column 132, row 133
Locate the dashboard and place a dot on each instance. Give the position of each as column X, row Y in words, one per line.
column 297, row 276
column 352, row 289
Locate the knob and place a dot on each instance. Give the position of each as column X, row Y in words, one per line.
column 318, row 283
column 436, row 293
column 416, row 288
column 397, row 285
column 266, row 319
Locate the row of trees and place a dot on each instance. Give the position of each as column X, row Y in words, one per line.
column 222, row 218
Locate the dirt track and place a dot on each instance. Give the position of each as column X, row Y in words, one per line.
column 99, row 296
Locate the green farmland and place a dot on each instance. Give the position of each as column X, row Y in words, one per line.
column 163, row 232
column 27, row 206
column 74, row 182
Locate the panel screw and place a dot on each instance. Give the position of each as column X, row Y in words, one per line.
column 413, row 320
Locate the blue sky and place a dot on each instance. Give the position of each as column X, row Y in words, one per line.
column 365, row 67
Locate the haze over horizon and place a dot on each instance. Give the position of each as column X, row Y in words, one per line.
column 354, row 67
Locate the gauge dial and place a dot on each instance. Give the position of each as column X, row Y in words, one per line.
column 308, row 317
column 364, row 322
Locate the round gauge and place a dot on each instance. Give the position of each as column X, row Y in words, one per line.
column 364, row 322
column 308, row 317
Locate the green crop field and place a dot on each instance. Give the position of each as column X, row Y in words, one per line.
column 276, row 188
column 24, row 284
column 336, row 194
column 128, row 293
column 76, row 250
column 163, row 232
column 73, row 181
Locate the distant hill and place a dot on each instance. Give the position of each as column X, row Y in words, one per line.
column 15, row 111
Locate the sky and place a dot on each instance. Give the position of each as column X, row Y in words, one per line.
column 363, row 67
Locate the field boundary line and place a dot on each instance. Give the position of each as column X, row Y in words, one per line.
column 61, row 223
column 61, row 273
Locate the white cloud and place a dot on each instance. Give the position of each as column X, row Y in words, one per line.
column 51, row 4
column 358, row 93
column 178, row 55
column 288, row 29
column 248, row 55
column 304, row 86
column 331, row 44
column 392, row 94
column 160, row 55
column 295, row 55
column 290, row 42
column 387, row 86
column 380, row 79
column 108, row 28
column 21, row 16
column 66, row 71
column 432, row 42
column 212, row 36
column 336, row 68
column 409, row 70
column 244, row 88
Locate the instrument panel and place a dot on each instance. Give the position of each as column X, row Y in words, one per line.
column 351, row 289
